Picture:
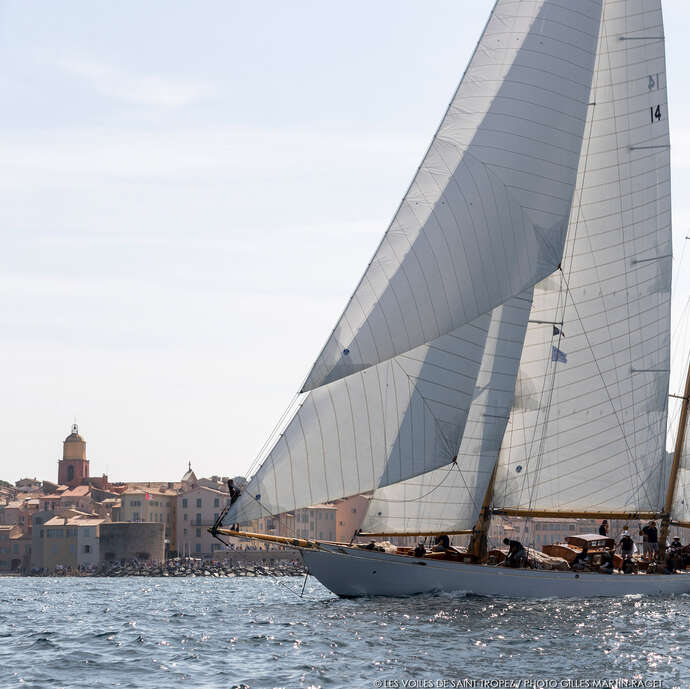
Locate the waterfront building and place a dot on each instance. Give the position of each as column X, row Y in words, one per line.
column 316, row 521
column 59, row 544
column 38, row 537
column 349, row 515
column 151, row 504
column 71, row 541
column 198, row 507
column 130, row 541
column 5, row 553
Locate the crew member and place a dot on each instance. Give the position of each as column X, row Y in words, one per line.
column 233, row 490
column 627, row 544
column 651, row 541
column 604, row 528
column 441, row 544
column 580, row 558
column 517, row 555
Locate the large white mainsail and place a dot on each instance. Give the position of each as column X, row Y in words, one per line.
column 588, row 427
column 486, row 214
column 484, row 219
column 448, row 499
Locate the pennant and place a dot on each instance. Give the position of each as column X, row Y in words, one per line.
column 558, row 355
column 148, row 496
column 558, row 331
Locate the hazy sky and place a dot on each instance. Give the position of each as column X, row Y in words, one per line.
column 189, row 193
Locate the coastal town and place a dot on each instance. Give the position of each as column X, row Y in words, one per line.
column 85, row 524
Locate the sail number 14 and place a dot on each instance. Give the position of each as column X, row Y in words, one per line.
column 655, row 113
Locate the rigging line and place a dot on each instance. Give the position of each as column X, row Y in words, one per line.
column 272, row 434
column 680, row 264
column 608, row 394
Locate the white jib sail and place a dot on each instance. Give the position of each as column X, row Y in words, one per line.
column 449, row 498
column 588, row 427
column 486, row 213
column 393, row 421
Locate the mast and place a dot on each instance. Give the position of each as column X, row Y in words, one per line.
column 678, row 451
column 478, row 542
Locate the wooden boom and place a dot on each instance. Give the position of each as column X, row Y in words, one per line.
column 574, row 514
column 296, row 542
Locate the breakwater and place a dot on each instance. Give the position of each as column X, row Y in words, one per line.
column 282, row 566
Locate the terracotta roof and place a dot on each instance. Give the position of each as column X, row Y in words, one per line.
column 78, row 492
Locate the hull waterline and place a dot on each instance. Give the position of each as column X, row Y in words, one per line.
column 353, row 572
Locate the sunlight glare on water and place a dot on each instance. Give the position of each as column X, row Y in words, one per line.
column 208, row 633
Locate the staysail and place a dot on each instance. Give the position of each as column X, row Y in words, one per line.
column 486, row 213
column 448, row 498
column 484, row 219
column 588, row 426
column 398, row 419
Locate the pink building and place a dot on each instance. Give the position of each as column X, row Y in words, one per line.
column 197, row 510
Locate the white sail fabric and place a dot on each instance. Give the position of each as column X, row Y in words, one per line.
column 399, row 419
column 486, row 214
column 588, row 426
column 449, row 498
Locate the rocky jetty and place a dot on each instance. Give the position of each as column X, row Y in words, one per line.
column 189, row 567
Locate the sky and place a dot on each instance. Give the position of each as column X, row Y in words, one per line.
column 189, row 193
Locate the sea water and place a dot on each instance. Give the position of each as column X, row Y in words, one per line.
column 257, row 632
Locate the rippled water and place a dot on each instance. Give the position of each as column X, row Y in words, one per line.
column 204, row 632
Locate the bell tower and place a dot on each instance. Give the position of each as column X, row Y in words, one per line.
column 73, row 468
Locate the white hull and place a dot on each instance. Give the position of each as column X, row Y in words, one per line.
column 351, row 572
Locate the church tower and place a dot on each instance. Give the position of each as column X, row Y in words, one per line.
column 73, row 468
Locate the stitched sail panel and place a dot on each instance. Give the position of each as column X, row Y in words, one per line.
column 486, row 214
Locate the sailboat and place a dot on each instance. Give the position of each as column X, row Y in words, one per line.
column 507, row 350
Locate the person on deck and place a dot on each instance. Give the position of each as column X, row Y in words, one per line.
column 604, row 528
column 674, row 557
column 626, row 544
column 581, row 558
column 441, row 544
column 233, row 490
column 606, row 566
column 517, row 555
column 651, row 541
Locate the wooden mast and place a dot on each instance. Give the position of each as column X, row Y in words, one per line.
column 478, row 542
column 678, row 451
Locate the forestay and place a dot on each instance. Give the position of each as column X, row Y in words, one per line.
column 588, row 426
column 486, row 213
column 449, row 498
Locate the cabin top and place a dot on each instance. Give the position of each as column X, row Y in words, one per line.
column 591, row 540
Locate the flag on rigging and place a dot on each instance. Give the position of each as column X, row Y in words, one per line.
column 558, row 355
column 558, row 331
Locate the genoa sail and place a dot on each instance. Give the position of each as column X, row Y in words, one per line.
column 449, row 498
column 486, row 214
column 391, row 422
column 588, row 427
